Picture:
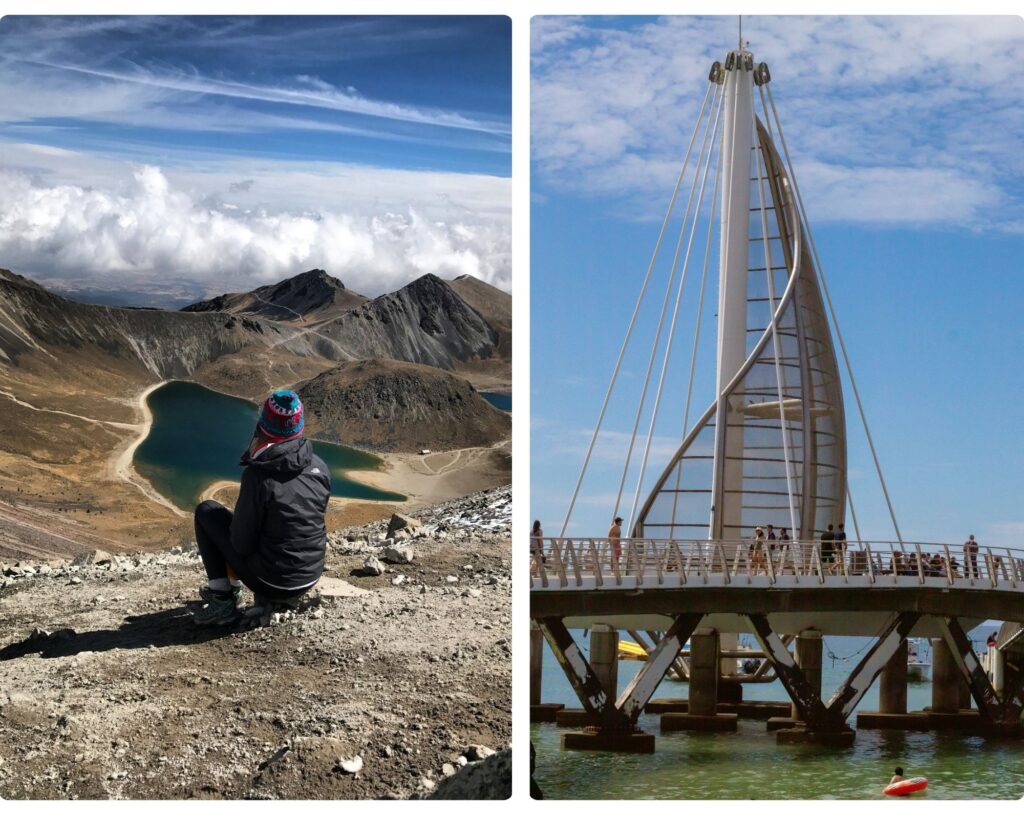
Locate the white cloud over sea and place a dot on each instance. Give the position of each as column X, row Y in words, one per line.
column 233, row 224
column 904, row 121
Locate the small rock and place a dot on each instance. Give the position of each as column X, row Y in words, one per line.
column 448, row 769
column 451, row 579
column 474, row 753
column 398, row 581
column 398, row 554
column 373, row 567
column 353, row 765
column 427, row 784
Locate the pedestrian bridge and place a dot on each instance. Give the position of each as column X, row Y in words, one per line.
column 848, row 588
column 888, row 591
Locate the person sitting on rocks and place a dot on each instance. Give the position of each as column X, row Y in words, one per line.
column 275, row 541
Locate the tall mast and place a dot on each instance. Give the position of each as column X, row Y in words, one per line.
column 732, row 292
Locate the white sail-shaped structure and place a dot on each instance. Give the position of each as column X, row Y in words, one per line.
column 771, row 447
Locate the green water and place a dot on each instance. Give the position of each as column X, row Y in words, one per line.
column 198, row 435
column 750, row 765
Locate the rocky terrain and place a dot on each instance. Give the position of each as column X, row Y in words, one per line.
column 307, row 299
column 393, row 681
column 395, row 406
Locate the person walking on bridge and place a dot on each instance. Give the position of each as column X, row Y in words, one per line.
column 536, row 544
column 828, row 554
column 276, row 539
column 971, row 557
column 615, row 539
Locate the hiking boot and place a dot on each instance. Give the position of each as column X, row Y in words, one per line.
column 209, row 595
column 222, row 610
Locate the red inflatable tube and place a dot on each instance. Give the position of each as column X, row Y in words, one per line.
column 906, row 787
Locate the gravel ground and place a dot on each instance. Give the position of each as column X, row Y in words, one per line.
column 384, row 686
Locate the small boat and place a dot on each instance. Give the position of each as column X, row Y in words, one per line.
column 918, row 664
column 906, row 787
column 629, row 650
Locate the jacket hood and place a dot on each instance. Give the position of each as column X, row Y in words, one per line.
column 288, row 456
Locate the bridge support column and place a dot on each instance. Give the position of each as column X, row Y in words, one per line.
column 705, row 671
column 539, row 711
column 826, row 724
column 945, row 679
column 892, row 694
column 536, row 663
column 614, row 720
column 604, row 657
column 1000, row 715
column 808, row 658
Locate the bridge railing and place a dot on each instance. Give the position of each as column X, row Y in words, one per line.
column 603, row 563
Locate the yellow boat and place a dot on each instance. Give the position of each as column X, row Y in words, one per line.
column 631, row 651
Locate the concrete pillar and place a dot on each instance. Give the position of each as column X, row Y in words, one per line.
column 965, row 691
column 808, row 658
column 536, row 663
column 704, row 670
column 945, row 679
column 892, row 686
column 727, row 665
column 604, row 657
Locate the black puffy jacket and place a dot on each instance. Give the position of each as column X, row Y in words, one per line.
column 278, row 523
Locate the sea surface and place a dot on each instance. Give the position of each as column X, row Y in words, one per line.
column 198, row 435
column 750, row 765
column 499, row 400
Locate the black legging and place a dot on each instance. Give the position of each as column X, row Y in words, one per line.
column 213, row 537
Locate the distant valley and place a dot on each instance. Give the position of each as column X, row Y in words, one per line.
column 399, row 373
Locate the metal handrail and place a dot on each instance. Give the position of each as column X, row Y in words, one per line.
column 562, row 562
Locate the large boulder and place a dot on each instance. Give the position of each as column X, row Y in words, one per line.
column 491, row 778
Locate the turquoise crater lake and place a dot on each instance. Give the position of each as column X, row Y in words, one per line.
column 198, row 434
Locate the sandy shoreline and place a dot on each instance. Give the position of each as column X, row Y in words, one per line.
column 122, row 465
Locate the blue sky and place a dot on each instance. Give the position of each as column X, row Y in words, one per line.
column 908, row 154
column 379, row 148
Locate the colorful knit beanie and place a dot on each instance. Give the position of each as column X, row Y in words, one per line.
column 282, row 417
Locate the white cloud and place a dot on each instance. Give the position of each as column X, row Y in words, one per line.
column 889, row 119
column 70, row 215
column 320, row 95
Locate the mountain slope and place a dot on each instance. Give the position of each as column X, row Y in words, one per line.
column 397, row 406
column 426, row 322
column 308, row 298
